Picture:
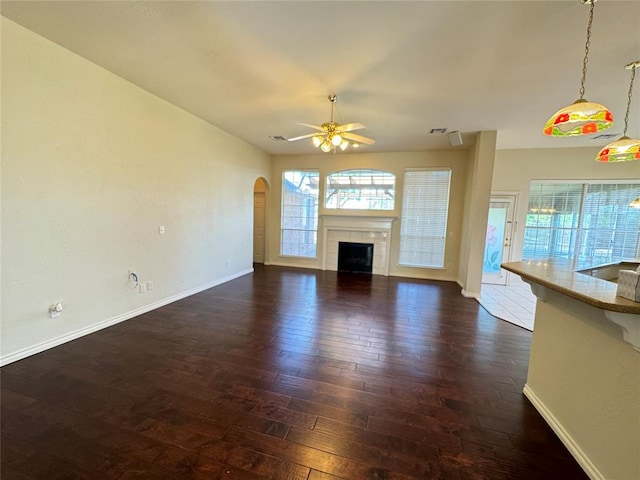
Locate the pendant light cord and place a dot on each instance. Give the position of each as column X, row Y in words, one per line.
column 626, row 115
column 586, row 50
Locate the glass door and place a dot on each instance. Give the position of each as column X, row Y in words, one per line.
column 497, row 248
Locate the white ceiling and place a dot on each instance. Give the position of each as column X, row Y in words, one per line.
column 256, row 69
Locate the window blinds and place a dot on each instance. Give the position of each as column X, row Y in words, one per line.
column 425, row 208
column 585, row 223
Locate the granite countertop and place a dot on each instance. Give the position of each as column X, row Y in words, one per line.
column 558, row 277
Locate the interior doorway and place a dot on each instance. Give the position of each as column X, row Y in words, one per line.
column 259, row 220
column 500, row 230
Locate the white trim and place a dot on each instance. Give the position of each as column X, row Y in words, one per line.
column 357, row 222
column 512, row 197
column 67, row 337
column 589, row 181
column 292, row 265
column 467, row 294
column 581, row 457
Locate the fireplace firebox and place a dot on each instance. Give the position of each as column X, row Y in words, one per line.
column 355, row 257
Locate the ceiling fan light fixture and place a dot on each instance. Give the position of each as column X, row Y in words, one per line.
column 624, row 149
column 581, row 117
column 333, row 135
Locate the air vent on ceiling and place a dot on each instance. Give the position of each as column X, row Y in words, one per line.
column 438, row 130
column 605, row 136
column 277, row 138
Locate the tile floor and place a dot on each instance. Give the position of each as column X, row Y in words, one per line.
column 514, row 302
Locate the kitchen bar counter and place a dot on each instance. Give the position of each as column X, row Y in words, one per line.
column 591, row 290
column 584, row 366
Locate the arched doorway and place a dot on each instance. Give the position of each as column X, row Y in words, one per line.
column 259, row 220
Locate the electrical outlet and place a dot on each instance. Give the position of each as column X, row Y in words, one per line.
column 143, row 287
column 149, row 285
column 55, row 310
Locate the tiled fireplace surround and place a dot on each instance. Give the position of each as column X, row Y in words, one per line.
column 340, row 228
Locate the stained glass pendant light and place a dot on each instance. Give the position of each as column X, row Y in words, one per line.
column 581, row 117
column 624, row 149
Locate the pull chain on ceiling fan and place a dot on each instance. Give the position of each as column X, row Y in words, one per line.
column 333, row 135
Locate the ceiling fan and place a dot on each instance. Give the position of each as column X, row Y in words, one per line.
column 332, row 135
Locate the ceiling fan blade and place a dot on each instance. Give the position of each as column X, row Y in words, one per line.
column 308, row 135
column 350, row 127
column 311, row 126
column 358, row 138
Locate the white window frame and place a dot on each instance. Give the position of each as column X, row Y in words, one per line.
column 342, row 188
column 291, row 214
column 576, row 234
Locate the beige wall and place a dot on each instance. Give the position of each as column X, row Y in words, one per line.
column 91, row 167
column 514, row 170
column 392, row 162
column 476, row 212
column 583, row 378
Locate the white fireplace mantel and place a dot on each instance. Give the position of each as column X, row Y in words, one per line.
column 360, row 229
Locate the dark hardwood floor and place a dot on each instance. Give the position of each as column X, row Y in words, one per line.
column 286, row 374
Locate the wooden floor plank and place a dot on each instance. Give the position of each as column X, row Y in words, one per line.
column 286, row 374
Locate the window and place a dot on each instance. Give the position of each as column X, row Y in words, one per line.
column 360, row 190
column 425, row 208
column 299, row 230
column 585, row 223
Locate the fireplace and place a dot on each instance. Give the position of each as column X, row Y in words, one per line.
column 355, row 257
column 356, row 229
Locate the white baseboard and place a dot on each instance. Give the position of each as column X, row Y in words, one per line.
column 283, row 264
column 581, row 457
column 54, row 342
column 467, row 294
